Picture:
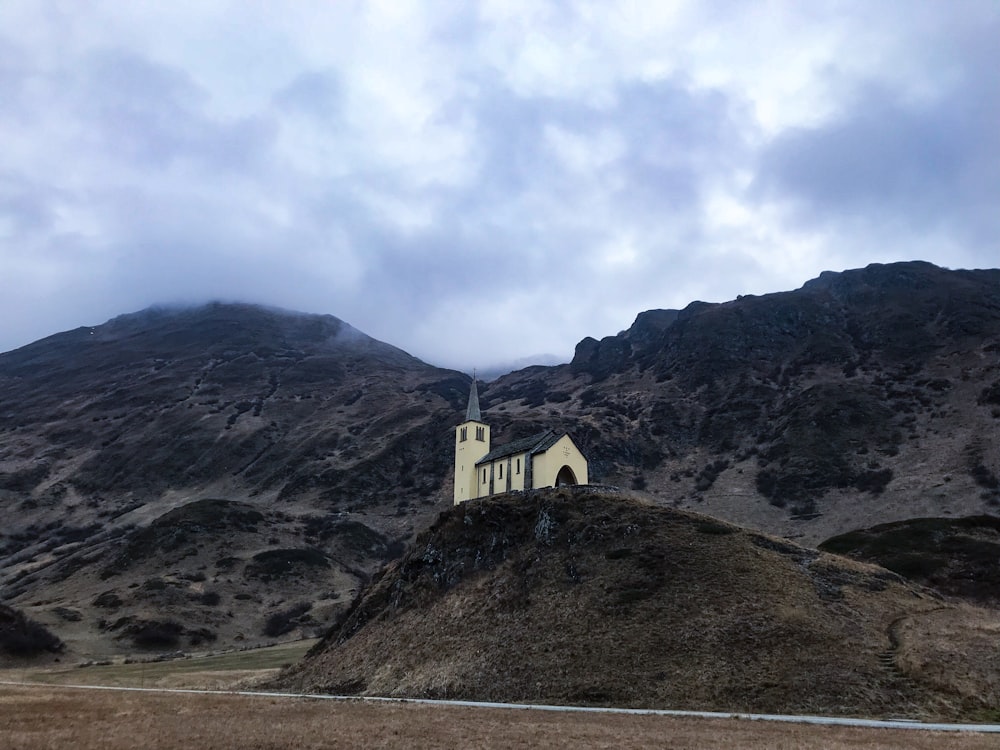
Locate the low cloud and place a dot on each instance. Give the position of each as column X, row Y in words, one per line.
column 481, row 185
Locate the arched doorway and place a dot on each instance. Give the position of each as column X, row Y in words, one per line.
column 565, row 476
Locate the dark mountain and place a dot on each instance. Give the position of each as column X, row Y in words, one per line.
column 198, row 471
column 173, row 398
column 865, row 396
column 580, row 596
column 194, row 473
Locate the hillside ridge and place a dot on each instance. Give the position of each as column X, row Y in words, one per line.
column 864, row 397
column 580, row 596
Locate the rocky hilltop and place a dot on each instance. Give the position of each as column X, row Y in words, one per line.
column 585, row 597
column 234, row 473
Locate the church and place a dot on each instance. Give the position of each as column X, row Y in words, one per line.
column 548, row 459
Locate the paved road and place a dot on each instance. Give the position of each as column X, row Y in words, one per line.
column 827, row 720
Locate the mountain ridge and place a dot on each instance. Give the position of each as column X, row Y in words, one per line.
column 113, row 431
column 794, row 398
column 864, row 397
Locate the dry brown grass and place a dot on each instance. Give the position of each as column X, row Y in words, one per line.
column 47, row 717
column 954, row 650
column 574, row 597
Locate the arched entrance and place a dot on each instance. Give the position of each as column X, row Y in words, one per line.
column 565, row 476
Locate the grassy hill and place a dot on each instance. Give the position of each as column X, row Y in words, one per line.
column 586, row 597
column 959, row 557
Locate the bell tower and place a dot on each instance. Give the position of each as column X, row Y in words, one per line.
column 472, row 442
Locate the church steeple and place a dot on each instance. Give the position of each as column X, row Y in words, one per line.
column 472, row 413
column 472, row 442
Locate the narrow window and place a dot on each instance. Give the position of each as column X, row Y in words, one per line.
column 484, row 476
column 518, row 466
column 501, row 472
column 463, row 435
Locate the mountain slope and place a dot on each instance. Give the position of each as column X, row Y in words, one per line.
column 581, row 596
column 231, row 385
column 111, row 436
column 865, row 396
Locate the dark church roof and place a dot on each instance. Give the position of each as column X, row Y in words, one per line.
column 534, row 444
column 472, row 414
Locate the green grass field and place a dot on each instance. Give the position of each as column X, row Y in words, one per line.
column 195, row 672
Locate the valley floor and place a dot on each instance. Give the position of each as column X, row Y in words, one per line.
column 46, row 716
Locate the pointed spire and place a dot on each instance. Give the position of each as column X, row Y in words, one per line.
column 472, row 414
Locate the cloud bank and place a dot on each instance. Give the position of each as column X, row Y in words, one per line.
column 477, row 183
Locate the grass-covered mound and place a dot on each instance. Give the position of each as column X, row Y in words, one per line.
column 576, row 596
column 957, row 556
column 185, row 527
column 22, row 637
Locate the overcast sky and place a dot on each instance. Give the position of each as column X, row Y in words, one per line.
column 481, row 182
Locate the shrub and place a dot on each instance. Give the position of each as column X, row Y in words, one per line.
column 286, row 620
column 990, row 394
column 714, row 527
column 804, row 508
column 708, row 475
column 767, row 481
column 67, row 614
column 201, row 635
column 158, row 634
column 873, row 481
column 108, row 600
column 22, row 636
column 984, row 477
column 276, row 563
